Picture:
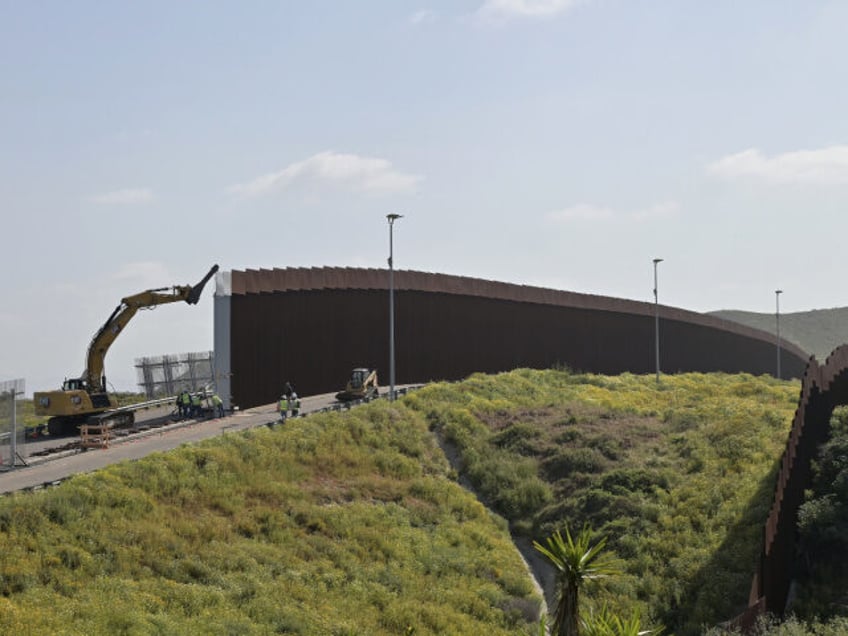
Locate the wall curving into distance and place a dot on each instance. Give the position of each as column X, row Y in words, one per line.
column 311, row 326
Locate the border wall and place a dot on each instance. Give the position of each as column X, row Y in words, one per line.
column 311, row 326
column 823, row 387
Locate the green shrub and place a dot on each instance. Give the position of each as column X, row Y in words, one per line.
column 572, row 460
column 627, row 480
column 519, row 438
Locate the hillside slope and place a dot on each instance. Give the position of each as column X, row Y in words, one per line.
column 678, row 475
column 355, row 523
column 818, row 332
column 336, row 524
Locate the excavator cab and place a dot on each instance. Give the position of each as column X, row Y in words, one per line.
column 75, row 384
column 357, row 378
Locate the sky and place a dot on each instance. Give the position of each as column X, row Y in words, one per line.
column 557, row 143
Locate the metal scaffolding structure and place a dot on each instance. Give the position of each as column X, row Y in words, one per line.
column 167, row 375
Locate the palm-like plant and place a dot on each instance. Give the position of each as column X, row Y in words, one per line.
column 605, row 623
column 576, row 561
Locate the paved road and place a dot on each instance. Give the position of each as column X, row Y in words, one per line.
column 43, row 471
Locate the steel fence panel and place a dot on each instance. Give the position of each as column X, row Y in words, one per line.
column 166, row 375
column 12, row 430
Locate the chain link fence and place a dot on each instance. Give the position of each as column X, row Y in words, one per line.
column 165, row 376
column 12, row 431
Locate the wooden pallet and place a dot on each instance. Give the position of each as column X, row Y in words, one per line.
column 96, row 435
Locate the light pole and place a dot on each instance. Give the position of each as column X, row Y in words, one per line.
column 392, row 218
column 777, row 293
column 657, row 261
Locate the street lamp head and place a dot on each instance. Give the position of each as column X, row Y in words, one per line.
column 657, row 260
column 394, row 217
column 778, row 291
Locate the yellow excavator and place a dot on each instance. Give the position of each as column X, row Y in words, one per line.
column 86, row 397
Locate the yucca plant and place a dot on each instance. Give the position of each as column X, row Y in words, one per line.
column 605, row 623
column 576, row 561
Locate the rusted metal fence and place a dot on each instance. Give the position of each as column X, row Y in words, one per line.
column 823, row 387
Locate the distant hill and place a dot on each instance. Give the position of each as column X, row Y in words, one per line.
column 817, row 332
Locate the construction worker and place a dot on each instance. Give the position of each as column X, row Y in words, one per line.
column 284, row 407
column 218, row 405
column 185, row 404
column 295, row 405
column 195, row 405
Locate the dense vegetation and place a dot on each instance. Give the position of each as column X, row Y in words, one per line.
column 823, row 526
column 818, row 332
column 354, row 523
column 336, row 524
column 678, row 475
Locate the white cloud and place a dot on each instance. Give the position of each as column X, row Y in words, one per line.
column 127, row 196
column 425, row 16
column 588, row 212
column 501, row 10
column 367, row 174
column 826, row 166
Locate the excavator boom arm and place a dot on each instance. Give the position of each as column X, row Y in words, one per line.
column 108, row 333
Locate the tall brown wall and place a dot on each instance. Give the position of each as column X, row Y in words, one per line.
column 823, row 387
column 315, row 337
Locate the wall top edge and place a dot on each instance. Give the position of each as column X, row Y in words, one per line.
column 258, row 281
